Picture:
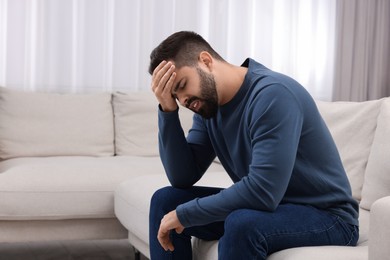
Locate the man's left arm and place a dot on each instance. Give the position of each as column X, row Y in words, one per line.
column 275, row 129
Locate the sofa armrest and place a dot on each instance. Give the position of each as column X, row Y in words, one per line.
column 379, row 233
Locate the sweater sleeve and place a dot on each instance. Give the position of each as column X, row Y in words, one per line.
column 184, row 163
column 274, row 124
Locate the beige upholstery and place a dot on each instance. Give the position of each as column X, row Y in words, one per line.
column 67, row 229
column 352, row 125
column 59, row 178
column 379, row 234
column 377, row 177
column 135, row 114
column 49, row 187
column 57, row 169
column 136, row 123
column 43, row 124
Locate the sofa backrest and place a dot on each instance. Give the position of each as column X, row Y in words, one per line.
column 353, row 126
column 99, row 124
column 48, row 124
column 136, row 126
column 104, row 124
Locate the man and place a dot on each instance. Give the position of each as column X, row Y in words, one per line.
column 290, row 188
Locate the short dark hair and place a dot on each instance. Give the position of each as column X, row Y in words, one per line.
column 183, row 48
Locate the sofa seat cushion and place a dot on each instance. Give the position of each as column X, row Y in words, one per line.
column 132, row 198
column 209, row 250
column 66, row 187
column 322, row 253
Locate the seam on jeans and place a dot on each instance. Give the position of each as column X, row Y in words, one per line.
column 352, row 236
column 338, row 219
column 297, row 233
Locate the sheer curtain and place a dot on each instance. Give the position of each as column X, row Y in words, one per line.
column 94, row 45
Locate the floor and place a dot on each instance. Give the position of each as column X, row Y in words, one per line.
column 68, row 250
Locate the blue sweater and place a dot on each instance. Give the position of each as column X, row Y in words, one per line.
column 273, row 143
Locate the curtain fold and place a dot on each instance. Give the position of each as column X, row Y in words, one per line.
column 104, row 45
column 362, row 63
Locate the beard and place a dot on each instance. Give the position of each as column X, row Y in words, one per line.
column 208, row 95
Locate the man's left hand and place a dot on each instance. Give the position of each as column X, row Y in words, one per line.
column 168, row 223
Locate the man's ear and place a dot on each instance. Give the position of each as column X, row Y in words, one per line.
column 205, row 59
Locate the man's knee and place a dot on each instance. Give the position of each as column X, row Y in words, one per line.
column 168, row 198
column 241, row 236
column 238, row 223
column 159, row 206
column 160, row 195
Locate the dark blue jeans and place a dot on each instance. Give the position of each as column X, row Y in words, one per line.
column 245, row 233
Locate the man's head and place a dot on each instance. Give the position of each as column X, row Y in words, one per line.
column 194, row 85
column 183, row 48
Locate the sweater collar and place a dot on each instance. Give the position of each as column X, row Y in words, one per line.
column 248, row 63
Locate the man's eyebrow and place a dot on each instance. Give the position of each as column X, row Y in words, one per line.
column 177, row 86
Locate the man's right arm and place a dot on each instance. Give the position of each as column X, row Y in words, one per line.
column 184, row 163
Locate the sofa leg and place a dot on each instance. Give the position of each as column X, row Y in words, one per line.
column 137, row 254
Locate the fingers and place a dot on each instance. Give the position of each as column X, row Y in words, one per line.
column 169, row 222
column 163, row 77
column 162, row 83
column 167, row 90
column 164, row 239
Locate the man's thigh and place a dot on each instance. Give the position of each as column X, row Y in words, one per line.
column 289, row 226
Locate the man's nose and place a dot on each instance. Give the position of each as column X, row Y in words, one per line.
column 182, row 100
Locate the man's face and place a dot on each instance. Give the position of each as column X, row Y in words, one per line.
column 196, row 90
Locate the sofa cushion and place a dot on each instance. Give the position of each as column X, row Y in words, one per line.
column 209, row 250
column 377, row 177
column 352, row 125
column 322, row 253
column 48, row 124
column 132, row 198
column 67, row 187
column 136, row 126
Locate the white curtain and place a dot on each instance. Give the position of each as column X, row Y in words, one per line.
column 94, row 45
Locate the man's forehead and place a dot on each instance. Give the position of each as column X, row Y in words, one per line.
column 184, row 72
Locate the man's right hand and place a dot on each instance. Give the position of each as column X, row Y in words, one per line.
column 162, row 82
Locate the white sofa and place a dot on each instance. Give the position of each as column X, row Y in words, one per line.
column 63, row 158
column 63, row 155
column 362, row 133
